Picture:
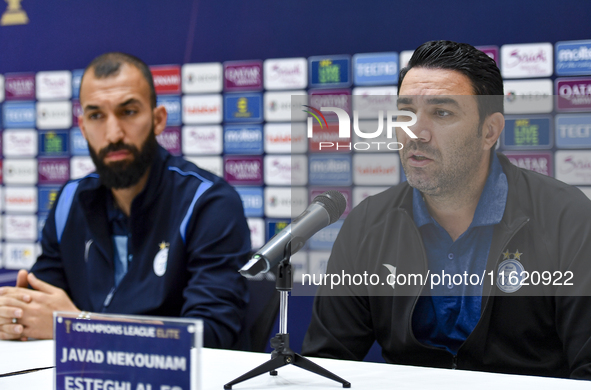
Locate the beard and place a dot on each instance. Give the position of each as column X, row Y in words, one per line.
column 451, row 171
column 124, row 174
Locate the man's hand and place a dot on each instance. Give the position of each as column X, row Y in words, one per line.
column 10, row 308
column 21, row 279
column 33, row 309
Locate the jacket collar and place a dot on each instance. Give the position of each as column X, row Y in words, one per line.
column 491, row 204
column 514, row 213
column 95, row 190
column 94, row 197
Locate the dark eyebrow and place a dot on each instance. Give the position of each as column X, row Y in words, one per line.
column 91, row 107
column 443, row 100
column 404, row 100
column 128, row 102
column 432, row 100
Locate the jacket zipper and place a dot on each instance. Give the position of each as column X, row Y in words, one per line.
column 454, row 360
column 108, row 299
column 455, row 357
column 426, row 265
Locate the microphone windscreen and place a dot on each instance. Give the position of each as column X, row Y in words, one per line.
column 334, row 202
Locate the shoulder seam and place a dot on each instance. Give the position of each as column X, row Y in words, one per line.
column 188, row 173
column 64, row 204
column 204, row 186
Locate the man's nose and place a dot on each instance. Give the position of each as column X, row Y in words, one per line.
column 114, row 130
column 422, row 129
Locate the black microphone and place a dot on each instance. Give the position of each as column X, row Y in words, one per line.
column 325, row 209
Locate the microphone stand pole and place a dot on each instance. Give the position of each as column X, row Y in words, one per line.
column 282, row 354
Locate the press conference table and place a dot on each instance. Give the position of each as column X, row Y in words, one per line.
column 222, row 366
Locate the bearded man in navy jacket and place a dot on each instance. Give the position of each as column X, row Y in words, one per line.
column 148, row 233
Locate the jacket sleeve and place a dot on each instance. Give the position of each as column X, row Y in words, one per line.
column 341, row 325
column 218, row 244
column 573, row 303
column 49, row 266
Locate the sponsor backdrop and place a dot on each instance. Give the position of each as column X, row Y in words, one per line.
column 235, row 119
column 232, row 115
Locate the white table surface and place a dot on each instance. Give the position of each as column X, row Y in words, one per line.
column 222, row 366
column 18, row 356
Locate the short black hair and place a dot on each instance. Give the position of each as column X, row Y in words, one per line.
column 109, row 64
column 482, row 70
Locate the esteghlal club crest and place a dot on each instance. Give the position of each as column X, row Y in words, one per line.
column 161, row 259
column 511, row 272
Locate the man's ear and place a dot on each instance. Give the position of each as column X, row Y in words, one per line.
column 160, row 116
column 82, row 126
column 491, row 129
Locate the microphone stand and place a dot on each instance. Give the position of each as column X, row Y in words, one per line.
column 282, row 354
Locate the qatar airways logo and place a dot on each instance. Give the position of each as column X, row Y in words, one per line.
column 54, row 171
column 20, row 86
column 344, row 130
column 574, row 91
column 170, row 139
column 244, row 170
column 243, row 76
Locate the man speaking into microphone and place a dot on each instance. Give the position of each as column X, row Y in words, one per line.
column 148, row 233
column 502, row 254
